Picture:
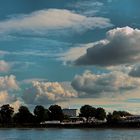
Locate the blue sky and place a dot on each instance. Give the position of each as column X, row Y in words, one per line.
column 70, row 52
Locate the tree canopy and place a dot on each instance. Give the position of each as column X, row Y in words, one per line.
column 56, row 112
column 23, row 116
column 41, row 114
column 6, row 113
column 100, row 114
column 87, row 111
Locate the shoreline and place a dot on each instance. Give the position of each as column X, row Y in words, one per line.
column 74, row 126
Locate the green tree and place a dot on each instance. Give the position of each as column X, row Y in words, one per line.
column 41, row 114
column 100, row 114
column 46, row 114
column 6, row 113
column 23, row 116
column 115, row 117
column 109, row 118
column 121, row 113
column 87, row 111
column 56, row 113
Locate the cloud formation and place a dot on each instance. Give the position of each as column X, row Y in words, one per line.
column 74, row 53
column 106, row 84
column 88, row 7
column 4, row 66
column 8, row 83
column 8, row 87
column 46, row 93
column 121, row 46
column 6, row 98
column 135, row 71
column 53, row 19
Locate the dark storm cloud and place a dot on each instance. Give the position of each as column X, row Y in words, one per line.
column 121, row 46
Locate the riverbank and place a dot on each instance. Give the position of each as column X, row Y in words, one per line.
column 82, row 125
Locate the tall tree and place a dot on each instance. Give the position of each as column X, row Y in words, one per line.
column 56, row 113
column 87, row 111
column 6, row 113
column 100, row 114
column 41, row 114
column 23, row 116
column 109, row 118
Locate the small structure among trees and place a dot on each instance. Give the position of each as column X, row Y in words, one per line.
column 70, row 112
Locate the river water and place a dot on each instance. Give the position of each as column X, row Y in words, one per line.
column 69, row 134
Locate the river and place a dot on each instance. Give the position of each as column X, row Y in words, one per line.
column 69, row 134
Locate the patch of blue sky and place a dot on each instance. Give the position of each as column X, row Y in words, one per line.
column 133, row 100
column 26, row 6
column 122, row 13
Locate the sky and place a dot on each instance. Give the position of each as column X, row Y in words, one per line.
column 71, row 53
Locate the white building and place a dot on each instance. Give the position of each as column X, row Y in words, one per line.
column 70, row 112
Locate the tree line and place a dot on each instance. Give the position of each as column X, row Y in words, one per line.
column 24, row 116
column 54, row 112
column 88, row 112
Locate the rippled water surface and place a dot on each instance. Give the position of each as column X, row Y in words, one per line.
column 69, row 134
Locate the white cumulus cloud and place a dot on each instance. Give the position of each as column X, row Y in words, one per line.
column 6, row 98
column 8, row 87
column 46, row 92
column 8, row 83
column 106, row 84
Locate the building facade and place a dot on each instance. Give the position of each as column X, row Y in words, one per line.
column 70, row 112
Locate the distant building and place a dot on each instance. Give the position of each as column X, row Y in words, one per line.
column 70, row 112
column 133, row 118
